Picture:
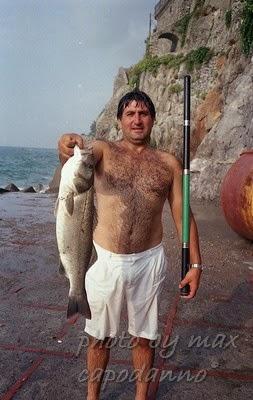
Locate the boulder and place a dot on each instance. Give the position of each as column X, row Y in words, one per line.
column 12, row 188
column 3, row 190
column 29, row 189
column 55, row 182
column 39, row 187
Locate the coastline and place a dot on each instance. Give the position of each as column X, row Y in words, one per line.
column 26, row 167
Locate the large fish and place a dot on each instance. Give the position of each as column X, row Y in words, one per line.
column 74, row 226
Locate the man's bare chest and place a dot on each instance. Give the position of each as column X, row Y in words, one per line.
column 144, row 174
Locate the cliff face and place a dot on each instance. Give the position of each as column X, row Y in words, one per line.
column 201, row 38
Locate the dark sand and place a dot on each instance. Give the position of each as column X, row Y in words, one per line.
column 37, row 348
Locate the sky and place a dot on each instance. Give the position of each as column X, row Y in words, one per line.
column 58, row 61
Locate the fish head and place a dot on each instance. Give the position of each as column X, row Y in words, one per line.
column 77, row 174
column 84, row 173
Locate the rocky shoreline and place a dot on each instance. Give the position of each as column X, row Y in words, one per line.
column 13, row 188
column 53, row 186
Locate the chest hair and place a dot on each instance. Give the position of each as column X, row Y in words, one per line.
column 131, row 175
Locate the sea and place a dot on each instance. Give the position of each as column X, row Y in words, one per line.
column 27, row 166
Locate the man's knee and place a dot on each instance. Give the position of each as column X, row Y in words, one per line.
column 141, row 342
column 95, row 343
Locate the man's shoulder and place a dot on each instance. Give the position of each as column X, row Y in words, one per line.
column 103, row 148
column 99, row 142
column 103, row 143
column 98, row 148
column 170, row 159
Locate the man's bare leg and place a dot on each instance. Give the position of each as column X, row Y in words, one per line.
column 143, row 358
column 97, row 358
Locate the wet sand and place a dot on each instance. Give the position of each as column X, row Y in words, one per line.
column 38, row 349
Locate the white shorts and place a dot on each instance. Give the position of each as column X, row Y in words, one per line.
column 139, row 278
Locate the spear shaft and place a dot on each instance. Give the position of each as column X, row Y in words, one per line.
column 186, row 185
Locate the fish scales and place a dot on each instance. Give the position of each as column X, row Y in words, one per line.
column 74, row 226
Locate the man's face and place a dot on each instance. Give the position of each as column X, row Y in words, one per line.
column 136, row 123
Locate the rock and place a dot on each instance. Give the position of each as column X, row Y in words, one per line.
column 39, row 187
column 106, row 124
column 228, row 138
column 12, row 188
column 224, row 4
column 198, row 165
column 206, row 115
column 120, row 80
column 3, row 190
column 55, row 182
column 29, row 189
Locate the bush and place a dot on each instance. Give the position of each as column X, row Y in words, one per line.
column 171, row 61
column 228, row 18
column 197, row 57
column 181, row 27
column 194, row 59
column 176, row 88
column 151, row 64
column 246, row 29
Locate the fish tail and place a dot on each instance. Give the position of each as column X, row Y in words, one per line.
column 78, row 305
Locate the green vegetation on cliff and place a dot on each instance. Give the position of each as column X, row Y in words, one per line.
column 247, row 27
column 181, row 26
column 193, row 59
column 228, row 18
column 197, row 57
column 176, row 88
column 151, row 64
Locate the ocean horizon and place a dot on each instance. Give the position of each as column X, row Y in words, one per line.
column 27, row 147
column 27, row 166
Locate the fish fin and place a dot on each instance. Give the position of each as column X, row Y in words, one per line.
column 61, row 268
column 69, row 203
column 81, row 185
column 56, row 207
column 78, row 304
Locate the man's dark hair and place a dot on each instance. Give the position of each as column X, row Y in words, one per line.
column 139, row 97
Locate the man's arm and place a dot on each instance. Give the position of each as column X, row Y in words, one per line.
column 68, row 141
column 175, row 200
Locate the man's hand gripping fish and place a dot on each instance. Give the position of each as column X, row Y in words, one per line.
column 74, row 226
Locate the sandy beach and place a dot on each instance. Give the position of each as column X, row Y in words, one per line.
column 42, row 357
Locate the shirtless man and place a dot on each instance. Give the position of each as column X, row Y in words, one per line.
column 132, row 183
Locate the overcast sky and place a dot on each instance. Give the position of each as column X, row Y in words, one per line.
column 58, row 60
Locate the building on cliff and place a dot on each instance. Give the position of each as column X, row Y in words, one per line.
column 165, row 38
column 174, row 17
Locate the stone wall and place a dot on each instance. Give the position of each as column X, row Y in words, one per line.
column 209, row 20
column 166, row 23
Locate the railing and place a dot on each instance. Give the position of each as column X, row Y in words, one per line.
column 160, row 6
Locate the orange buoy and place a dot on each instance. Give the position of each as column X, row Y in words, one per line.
column 237, row 195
